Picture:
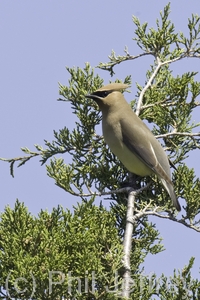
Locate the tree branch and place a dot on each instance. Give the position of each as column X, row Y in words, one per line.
column 127, row 244
column 147, row 86
column 117, row 60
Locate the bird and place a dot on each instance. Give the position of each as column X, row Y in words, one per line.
column 130, row 139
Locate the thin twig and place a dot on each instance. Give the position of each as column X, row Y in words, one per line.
column 161, row 103
column 115, row 61
column 178, row 133
column 173, row 60
column 118, row 191
column 154, row 212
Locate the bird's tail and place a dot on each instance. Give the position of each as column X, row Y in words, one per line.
column 170, row 189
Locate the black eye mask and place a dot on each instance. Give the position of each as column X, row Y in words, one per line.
column 102, row 94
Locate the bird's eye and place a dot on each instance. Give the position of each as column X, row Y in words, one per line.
column 104, row 94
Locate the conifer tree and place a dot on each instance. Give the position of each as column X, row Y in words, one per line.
column 94, row 252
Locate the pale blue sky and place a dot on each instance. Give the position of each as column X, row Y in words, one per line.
column 40, row 38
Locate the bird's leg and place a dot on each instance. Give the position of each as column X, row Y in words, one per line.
column 133, row 181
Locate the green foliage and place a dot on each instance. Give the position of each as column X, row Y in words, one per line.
column 163, row 43
column 55, row 244
column 179, row 286
column 188, row 188
column 158, row 41
column 59, row 253
column 169, row 104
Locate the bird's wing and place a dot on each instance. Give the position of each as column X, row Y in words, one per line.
column 138, row 139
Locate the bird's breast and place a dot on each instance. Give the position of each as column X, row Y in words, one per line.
column 113, row 137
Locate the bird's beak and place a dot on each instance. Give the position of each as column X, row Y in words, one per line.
column 93, row 97
column 88, row 96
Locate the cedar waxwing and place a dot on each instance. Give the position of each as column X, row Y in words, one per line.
column 130, row 139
